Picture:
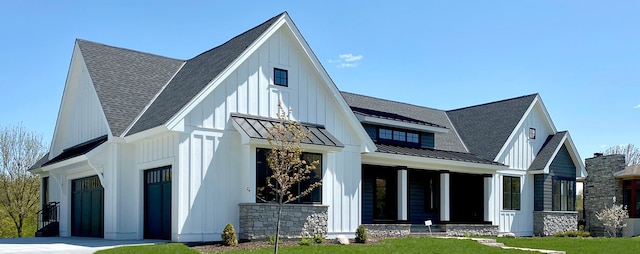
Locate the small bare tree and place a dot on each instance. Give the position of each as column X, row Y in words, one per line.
column 285, row 160
column 19, row 150
column 613, row 217
column 631, row 153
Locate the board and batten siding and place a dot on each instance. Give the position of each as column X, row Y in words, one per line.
column 217, row 172
column 81, row 118
column 561, row 166
column 521, row 151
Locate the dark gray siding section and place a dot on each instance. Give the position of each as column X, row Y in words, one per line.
column 428, row 140
column 562, row 165
column 372, row 131
column 367, row 198
column 542, row 192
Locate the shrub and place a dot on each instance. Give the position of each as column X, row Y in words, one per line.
column 272, row 240
column 318, row 238
column 613, row 217
column 573, row 233
column 229, row 236
column 304, row 241
column 361, row 234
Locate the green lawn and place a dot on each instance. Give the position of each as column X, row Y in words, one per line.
column 577, row 245
column 425, row 245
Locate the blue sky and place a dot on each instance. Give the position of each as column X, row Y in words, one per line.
column 583, row 57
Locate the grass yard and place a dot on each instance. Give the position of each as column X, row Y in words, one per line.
column 577, row 245
column 399, row 245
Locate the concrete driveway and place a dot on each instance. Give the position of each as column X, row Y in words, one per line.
column 76, row 245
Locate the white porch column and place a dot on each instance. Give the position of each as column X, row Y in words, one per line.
column 444, row 196
column 247, row 174
column 402, row 194
column 488, row 187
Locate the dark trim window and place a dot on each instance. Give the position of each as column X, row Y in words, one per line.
column 395, row 136
column 280, row 77
column 532, row 133
column 564, row 194
column 631, row 197
column 510, row 193
column 265, row 194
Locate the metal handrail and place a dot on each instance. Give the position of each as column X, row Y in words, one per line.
column 48, row 213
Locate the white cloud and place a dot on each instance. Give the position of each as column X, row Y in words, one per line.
column 603, row 146
column 637, row 106
column 346, row 60
column 350, row 57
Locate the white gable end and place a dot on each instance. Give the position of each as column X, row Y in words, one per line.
column 520, row 151
column 81, row 117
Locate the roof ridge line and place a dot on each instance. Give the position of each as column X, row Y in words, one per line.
column 389, row 100
column 130, row 50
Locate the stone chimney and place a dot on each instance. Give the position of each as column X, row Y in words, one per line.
column 600, row 187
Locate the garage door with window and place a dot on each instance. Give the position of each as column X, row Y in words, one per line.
column 157, row 203
column 87, row 207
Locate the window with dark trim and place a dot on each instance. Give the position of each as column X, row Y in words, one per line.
column 266, row 194
column 631, row 197
column 564, row 194
column 396, row 136
column 280, row 77
column 532, row 133
column 510, row 193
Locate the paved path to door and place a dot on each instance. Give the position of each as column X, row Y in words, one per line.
column 75, row 245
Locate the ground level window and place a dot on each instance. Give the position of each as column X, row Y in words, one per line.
column 564, row 195
column 266, row 194
column 631, row 197
column 510, row 193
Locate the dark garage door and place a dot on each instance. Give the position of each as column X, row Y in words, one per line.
column 157, row 203
column 87, row 207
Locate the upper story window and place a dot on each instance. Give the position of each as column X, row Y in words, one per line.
column 532, row 133
column 395, row 136
column 280, row 77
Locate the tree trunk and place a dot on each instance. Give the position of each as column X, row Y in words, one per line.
column 275, row 249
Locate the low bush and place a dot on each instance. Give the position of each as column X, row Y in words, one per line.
column 573, row 233
column 229, row 236
column 361, row 234
column 318, row 238
column 305, row 241
column 272, row 239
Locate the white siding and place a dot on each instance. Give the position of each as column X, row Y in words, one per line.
column 81, row 117
column 220, row 172
column 521, row 151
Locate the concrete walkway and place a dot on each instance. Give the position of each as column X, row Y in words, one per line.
column 494, row 243
column 75, row 245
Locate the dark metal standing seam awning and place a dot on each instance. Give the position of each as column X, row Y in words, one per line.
column 256, row 127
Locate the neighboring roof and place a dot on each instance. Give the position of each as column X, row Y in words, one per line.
column 256, row 127
column 485, row 128
column 548, row 150
column 125, row 80
column 391, row 116
column 632, row 171
column 432, row 153
column 76, row 151
column 446, row 141
column 195, row 75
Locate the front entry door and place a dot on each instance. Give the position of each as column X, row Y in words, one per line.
column 157, row 203
column 87, row 207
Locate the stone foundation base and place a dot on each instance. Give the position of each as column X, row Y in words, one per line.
column 470, row 229
column 388, row 230
column 547, row 223
column 258, row 220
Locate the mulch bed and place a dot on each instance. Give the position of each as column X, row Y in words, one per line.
column 256, row 244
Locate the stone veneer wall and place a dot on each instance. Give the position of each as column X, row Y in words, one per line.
column 388, row 230
column 470, row 229
column 600, row 188
column 258, row 220
column 548, row 223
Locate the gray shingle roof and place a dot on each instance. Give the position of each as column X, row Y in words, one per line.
column 485, row 128
column 432, row 153
column 195, row 75
column 125, row 80
column 392, row 116
column 446, row 141
column 546, row 152
column 256, row 127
